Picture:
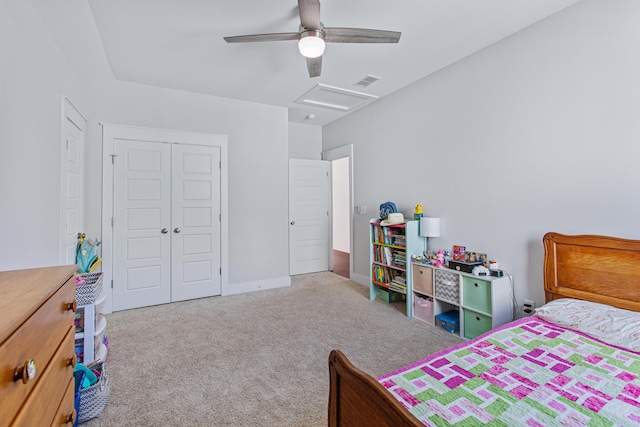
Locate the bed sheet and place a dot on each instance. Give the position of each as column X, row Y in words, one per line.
column 526, row 373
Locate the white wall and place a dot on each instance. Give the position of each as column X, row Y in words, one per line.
column 33, row 77
column 536, row 133
column 305, row 141
column 341, row 209
column 257, row 168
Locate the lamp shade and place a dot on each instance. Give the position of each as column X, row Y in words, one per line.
column 430, row 227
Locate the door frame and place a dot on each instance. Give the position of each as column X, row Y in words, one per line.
column 335, row 154
column 112, row 132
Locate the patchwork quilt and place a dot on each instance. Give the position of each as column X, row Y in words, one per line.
column 527, row 373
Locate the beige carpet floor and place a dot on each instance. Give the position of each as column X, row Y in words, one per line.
column 256, row 359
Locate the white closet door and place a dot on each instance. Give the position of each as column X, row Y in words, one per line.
column 142, row 222
column 195, row 252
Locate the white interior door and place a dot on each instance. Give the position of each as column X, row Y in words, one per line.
column 141, row 224
column 71, row 188
column 308, row 216
column 196, row 217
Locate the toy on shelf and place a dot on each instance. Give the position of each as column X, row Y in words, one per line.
column 417, row 213
column 439, row 259
column 86, row 254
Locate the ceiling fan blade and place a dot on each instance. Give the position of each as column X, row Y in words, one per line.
column 314, row 65
column 309, row 13
column 360, row 35
column 273, row 37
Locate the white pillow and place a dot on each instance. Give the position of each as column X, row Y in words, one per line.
column 612, row 325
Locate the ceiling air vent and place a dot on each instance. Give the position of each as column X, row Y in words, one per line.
column 335, row 98
column 367, row 81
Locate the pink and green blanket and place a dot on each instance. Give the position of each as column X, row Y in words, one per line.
column 526, row 373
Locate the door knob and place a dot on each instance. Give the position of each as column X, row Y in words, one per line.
column 164, row 231
column 293, row 223
column 25, row 372
column 176, row 230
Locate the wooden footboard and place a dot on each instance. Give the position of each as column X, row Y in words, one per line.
column 357, row 399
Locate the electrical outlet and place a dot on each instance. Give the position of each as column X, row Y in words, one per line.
column 528, row 306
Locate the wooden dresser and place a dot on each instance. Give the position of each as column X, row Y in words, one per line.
column 37, row 308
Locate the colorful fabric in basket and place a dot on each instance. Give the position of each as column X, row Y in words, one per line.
column 526, row 373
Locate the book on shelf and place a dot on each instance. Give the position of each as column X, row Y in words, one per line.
column 388, row 255
column 398, row 284
column 400, row 280
column 400, row 242
column 399, row 258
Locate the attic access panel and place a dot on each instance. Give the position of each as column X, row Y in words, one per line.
column 335, row 98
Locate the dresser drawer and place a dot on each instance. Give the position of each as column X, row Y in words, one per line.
column 38, row 338
column 476, row 294
column 43, row 404
column 422, row 279
column 66, row 414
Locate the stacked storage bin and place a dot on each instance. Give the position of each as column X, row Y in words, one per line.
column 91, row 344
column 91, row 325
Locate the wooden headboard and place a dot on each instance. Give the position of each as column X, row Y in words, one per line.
column 594, row 268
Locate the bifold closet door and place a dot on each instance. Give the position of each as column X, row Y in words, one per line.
column 195, row 245
column 141, row 224
column 166, row 223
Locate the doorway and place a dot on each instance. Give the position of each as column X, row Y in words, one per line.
column 342, row 201
column 341, row 226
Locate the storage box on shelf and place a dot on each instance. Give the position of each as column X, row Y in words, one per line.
column 390, row 250
column 464, row 304
column 423, row 307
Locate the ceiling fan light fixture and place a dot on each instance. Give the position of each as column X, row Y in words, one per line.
column 311, row 43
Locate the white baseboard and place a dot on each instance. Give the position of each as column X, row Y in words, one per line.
column 359, row 278
column 258, row 285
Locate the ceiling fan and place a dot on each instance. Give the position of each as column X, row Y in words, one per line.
column 312, row 35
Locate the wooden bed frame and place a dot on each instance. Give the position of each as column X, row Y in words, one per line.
column 588, row 267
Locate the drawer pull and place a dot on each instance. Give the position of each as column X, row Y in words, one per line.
column 26, row 372
column 71, row 418
column 475, row 284
column 72, row 361
column 72, row 306
column 420, row 271
column 477, row 318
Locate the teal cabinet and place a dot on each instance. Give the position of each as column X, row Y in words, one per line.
column 390, row 251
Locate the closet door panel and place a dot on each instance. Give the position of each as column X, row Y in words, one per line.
column 195, row 260
column 141, row 209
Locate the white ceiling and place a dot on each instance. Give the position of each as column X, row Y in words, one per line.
column 178, row 43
